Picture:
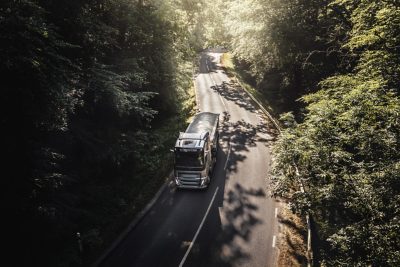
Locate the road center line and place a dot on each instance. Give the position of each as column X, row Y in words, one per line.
column 198, row 230
column 229, row 153
column 223, row 103
column 227, row 157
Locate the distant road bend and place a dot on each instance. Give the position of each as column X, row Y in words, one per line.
column 233, row 222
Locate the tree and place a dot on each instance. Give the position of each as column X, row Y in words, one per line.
column 346, row 147
column 284, row 45
column 83, row 82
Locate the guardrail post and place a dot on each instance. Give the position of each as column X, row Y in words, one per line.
column 309, row 248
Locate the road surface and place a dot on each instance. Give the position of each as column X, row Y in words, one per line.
column 233, row 222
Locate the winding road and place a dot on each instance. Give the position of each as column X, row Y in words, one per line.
column 233, row 222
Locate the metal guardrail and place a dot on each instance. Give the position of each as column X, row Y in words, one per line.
column 279, row 128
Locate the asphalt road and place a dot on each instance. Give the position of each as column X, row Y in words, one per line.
column 233, row 222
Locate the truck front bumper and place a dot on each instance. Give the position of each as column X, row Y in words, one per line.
column 199, row 183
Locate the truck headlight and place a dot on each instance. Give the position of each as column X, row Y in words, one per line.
column 204, row 180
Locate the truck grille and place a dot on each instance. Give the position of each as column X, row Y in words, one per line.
column 189, row 179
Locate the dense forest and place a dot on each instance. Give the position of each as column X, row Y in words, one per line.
column 347, row 146
column 95, row 91
column 334, row 66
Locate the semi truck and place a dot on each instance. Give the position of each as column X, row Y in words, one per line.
column 195, row 152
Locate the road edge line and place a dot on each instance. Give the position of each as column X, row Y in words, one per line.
column 134, row 223
column 198, row 229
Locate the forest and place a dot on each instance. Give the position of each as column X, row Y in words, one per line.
column 94, row 93
column 331, row 71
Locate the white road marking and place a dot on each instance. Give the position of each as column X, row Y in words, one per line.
column 274, row 241
column 227, row 157
column 198, row 230
column 223, row 103
column 276, row 212
column 197, row 97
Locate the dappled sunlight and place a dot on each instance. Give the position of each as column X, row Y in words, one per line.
column 233, row 92
column 240, row 136
column 238, row 219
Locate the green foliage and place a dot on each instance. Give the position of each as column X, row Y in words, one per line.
column 284, row 46
column 95, row 91
column 346, row 149
column 83, row 84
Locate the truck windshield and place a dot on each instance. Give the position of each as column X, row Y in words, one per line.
column 189, row 159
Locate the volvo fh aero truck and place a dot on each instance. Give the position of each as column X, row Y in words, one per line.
column 196, row 152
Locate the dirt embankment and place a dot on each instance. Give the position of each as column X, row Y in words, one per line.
column 293, row 239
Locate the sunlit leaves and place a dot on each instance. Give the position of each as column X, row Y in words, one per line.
column 346, row 149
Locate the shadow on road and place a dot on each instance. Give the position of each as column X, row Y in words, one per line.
column 232, row 219
column 163, row 236
column 227, row 237
column 240, row 220
column 240, row 136
column 233, row 92
column 208, row 64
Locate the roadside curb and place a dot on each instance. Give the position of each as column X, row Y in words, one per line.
column 134, row 223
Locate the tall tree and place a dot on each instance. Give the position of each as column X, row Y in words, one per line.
column 347, row 147
column 82, row 83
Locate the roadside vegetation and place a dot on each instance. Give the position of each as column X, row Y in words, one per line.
column 94, row 93
column 334, row 67
column 93, row 96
